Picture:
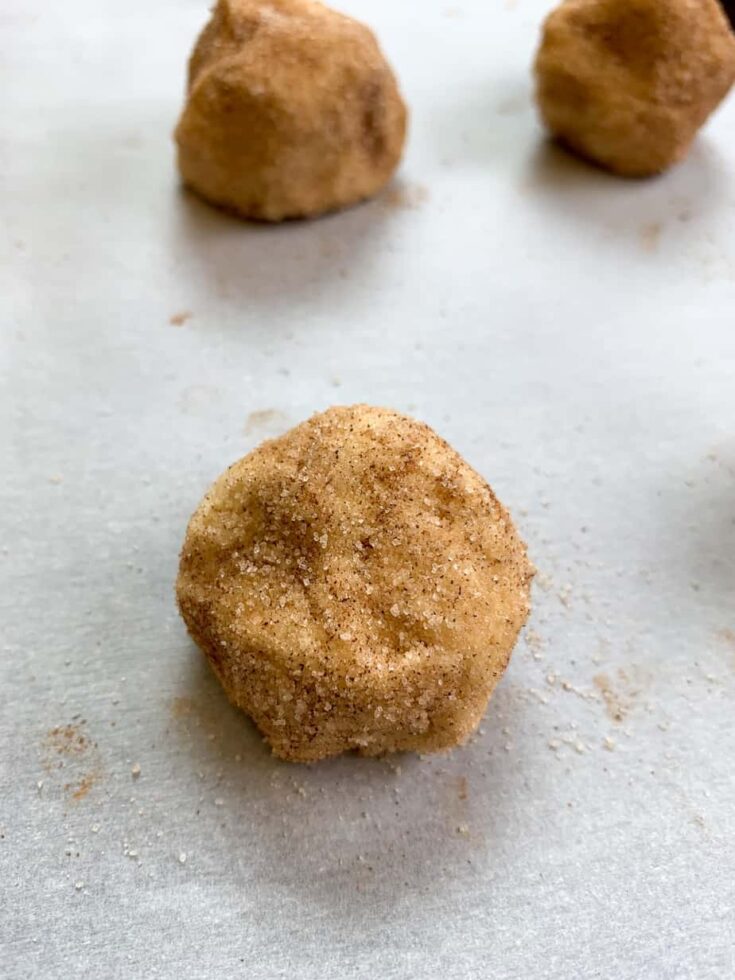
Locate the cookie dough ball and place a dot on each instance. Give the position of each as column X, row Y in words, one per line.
column 355, row 585
column 627, row 83
column 292, row 110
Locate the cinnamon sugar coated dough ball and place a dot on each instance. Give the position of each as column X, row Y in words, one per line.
column 355, row 585
column 292, row 110
column 627, row 83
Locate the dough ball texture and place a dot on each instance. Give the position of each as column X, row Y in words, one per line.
column 627, row 83
column 355, row 584
column 292, row 110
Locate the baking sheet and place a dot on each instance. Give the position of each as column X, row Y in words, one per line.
column 572, row 335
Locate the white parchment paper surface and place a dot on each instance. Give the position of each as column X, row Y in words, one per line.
column 572, row 335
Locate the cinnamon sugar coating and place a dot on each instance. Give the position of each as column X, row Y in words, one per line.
column 355, row 584
column 628, row 83
column 292, row 110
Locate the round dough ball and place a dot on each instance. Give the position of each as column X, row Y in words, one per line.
column 292, row 110
column 355, row 585
column 627, row 83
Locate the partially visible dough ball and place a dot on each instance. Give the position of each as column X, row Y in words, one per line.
column 355, row 584
column 627, row 83
column 292, row 110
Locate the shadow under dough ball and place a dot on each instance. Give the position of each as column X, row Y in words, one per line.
column 291, row 111
column 355, row 584
column 627, row 83
column 729, row 6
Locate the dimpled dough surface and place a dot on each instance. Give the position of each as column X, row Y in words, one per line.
column 628, row 83
column 355, row 585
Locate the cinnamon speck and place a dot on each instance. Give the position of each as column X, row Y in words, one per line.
column 85, row 785
column 68, row 748
column 179, row 319
column 613, row 703
column 650, row 235
column 67, row 740
column 406, row 196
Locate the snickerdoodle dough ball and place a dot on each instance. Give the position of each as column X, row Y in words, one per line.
column 627, row 83
column 355, row 584
column 292, row 110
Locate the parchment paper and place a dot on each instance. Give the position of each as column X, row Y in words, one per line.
column 571, row 334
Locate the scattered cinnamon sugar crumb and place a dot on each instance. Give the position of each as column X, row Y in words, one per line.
column 650, row 236
column 179, row 319
column 85, row 785
column 67, row 740
column 406, row 196
column 565, row 595
column 614, row 705
column 67, row 748
column 534, row 641
column 462, row 791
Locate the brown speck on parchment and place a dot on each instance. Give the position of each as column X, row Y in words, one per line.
column 406, row 196
column 67, row 740
column 614, row 705
column 650, row 236
column 85, row 784
column 179, row 319
column 68, row 748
